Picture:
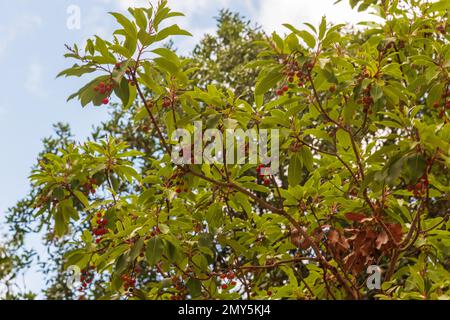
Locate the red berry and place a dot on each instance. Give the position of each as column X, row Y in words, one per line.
column 224, row 286
column 105, row 101
column 101, row 84
column 279, row 92
column 266, row 182
column 96, row 88
column 285, row 88
column 99, row 214
column 233, row 283
column 166, row 102
column 436, row 104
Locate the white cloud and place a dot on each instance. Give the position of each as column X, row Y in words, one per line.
column 273, row 13
column 19, row 26
column 34, row 80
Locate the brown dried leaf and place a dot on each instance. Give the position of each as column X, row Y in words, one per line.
column 357, row 217
column 381, row 240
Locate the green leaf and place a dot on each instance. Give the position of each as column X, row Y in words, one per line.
column 322, row 28
column 136, row 250
column 295, row 170
column 307, row 158
column 128, row 26
column 123, row 91
column 214, row 216
column 167, row 54
column 376, row 92
column 166, row 65
column 305, row 35
column 173, row 30
column 194, row 287
column 155, row 247
column 268, row 81
column 82, row 198
column 343, row 139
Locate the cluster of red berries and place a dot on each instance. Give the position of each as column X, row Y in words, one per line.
column 89, row 187
column 198, row 228
column 178, row 180
column 228, row 280
column 129, row 283
column 294, row 72
column 167, row 102
column 265, row 178
column 282, row 90
column 86, row 278
column 105, row 89
column 154, row 232
column 178, row 283
column 420, row 188
column 180, row 286
column 441, row 28
column 445, row 105
column 100, row 229
column 366, row 100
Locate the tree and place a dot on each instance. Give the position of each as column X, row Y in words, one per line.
column 363, row 121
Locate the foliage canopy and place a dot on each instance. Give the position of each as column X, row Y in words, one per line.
column 364, row 158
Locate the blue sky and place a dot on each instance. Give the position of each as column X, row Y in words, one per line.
column 32, row 38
